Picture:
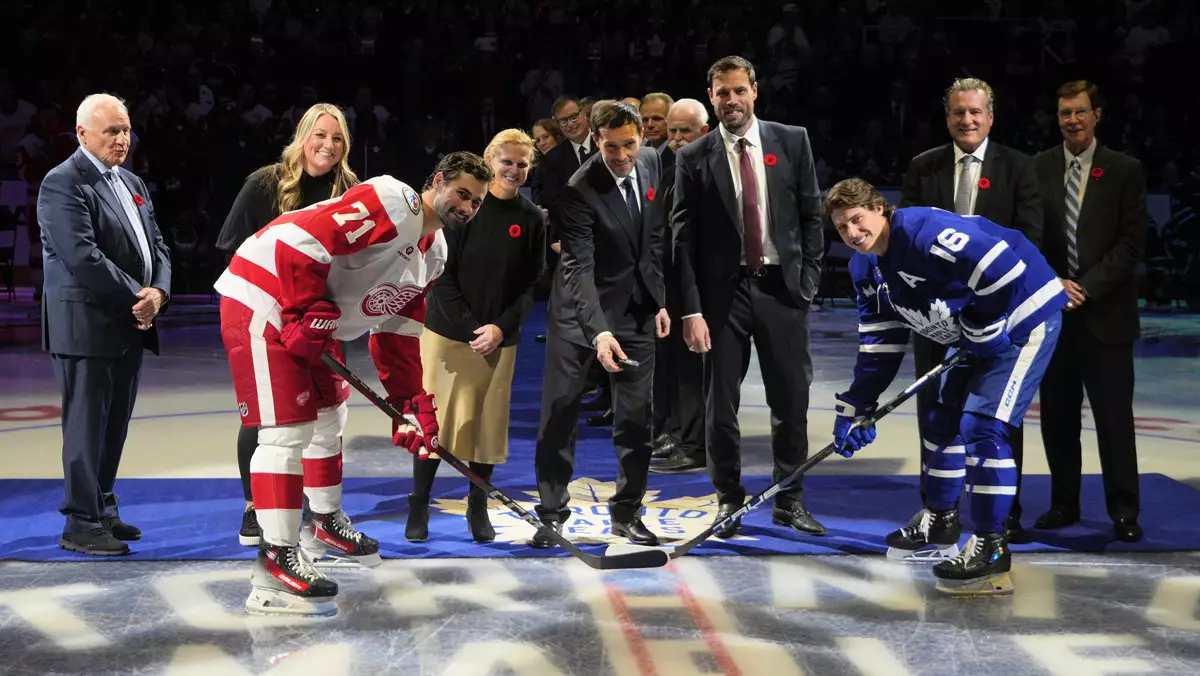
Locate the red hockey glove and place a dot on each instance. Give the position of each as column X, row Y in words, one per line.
column 308, row 336
column 419, row 441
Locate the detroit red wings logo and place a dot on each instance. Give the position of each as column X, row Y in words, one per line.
column 388, row 299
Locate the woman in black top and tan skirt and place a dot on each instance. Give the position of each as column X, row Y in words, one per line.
column 311, row 168
column 472, row 326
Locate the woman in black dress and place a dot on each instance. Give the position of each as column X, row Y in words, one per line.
column 472, row 327
column 312, row 168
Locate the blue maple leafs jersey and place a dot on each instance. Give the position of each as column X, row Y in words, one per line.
column 951, row 279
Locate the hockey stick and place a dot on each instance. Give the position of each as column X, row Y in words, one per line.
column 641, row 558
column 825, row 453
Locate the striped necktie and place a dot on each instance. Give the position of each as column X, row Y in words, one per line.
column 1072, row 212
column 962, row 196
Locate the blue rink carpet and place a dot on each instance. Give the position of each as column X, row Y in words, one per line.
column 197, row 519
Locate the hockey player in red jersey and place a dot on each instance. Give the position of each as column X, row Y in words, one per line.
column 332, row 271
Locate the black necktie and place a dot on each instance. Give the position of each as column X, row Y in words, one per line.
column 582, row 154
column 631, row 200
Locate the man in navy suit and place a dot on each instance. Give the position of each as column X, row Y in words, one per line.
column 108, row 274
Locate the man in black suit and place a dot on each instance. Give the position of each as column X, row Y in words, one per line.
column 564, row 159
column 108, row 274
column 1095, row 225
column 748, row 248
column 972, row 175
column 678, row 382
column 608, row 303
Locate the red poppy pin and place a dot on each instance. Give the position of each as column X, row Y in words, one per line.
column 137, row 199
column 984, row 183
column 650, row 195
column 1097, row 172
column 514, row 231
column 769, row 159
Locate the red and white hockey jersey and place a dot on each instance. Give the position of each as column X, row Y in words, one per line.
column 363, row 251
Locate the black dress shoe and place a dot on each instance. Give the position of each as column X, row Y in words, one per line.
column 663, row 445
column 603, row 420
column 679, row 461
column 796, row 516
column 540, row 338
column 731, row 528
column 1015, row 532
column 1056, row 517
column 541, row 540
column 96, row 542
column 635, row 531
column 120, row 529
column 1128, row 530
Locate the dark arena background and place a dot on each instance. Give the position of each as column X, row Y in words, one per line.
column 214, row 91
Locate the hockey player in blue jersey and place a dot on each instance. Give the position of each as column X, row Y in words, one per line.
column 968, row 283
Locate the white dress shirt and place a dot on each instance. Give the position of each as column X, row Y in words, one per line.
column 586, row 145
column 754, row 142
column 976, row 170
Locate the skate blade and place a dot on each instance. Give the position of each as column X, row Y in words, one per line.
column 992, row 585
column 332, row 559
column 940, row 553
column 269, row 602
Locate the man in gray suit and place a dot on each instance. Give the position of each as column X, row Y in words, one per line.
column 108, row 274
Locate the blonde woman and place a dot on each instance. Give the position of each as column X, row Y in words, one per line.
column 312, row 168
column 472, row 326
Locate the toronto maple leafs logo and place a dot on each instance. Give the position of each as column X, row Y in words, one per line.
column 938, row 325
column 675, row 519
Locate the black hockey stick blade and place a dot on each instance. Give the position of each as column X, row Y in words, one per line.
column 816, row 459
column 650, row 558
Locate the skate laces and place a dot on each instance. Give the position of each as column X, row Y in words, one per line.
column 920, row 525
column 342, row 526
column 298, row 561
column 974, row 546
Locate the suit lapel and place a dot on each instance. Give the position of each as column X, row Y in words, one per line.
column 106, row 192
column 945, row 178
column 992, row 170
column 648, row 179
column 1058, row 185
column 1090, row 195
column 143, row 224
column 776, row 188
column 718, row 164
column 610, row 196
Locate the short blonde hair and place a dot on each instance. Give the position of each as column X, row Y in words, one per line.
column 507, row 137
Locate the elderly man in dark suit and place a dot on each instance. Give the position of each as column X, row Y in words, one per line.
column 971, row 176
column 608, row 303
column 748, row 249
column 108, row 275
column 1095, row 206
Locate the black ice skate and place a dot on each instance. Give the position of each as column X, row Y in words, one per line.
column 929, row 536
column 330, row 540
column 284, row 582
column 982, row 568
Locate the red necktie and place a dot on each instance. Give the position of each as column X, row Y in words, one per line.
column 751, row 227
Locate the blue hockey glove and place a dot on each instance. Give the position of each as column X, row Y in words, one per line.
column 849, row 441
